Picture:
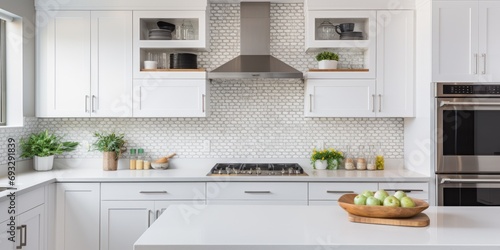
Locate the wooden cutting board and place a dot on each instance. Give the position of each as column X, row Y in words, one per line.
column 419, row 220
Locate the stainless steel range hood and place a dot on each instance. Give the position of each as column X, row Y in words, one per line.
column 255, row 60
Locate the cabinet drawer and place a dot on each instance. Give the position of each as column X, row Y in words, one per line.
column 30, row 200
column 333, row 191
column 413, row 189
column 153, row 191
column 257, row 191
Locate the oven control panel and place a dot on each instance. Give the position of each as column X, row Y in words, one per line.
column 468, row 89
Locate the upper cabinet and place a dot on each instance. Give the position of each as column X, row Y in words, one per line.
column 84, row 64
column 465, row 41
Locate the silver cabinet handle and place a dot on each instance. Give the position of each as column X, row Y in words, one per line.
column 153, row 192
column 379, row 103
column 484, row 63
column 21, row 242
column 93, row 103
column 373, row 100
column 25, row 236
column 86, row 103
column 149, row 217
column 157, row 214
column 257, row 192
column 476, row 66
column 444, row 180
column 406, row 190
column 310, row 103
column 445, row 103
column 203, row 103
column 339, row 192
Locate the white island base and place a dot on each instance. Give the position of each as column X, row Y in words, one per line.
column 248, row 227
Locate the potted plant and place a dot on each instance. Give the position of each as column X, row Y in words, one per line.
column 112, row 145
column 326, row 158
column 327, row 60
column 42, row 147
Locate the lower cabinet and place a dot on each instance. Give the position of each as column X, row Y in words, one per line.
column 256, row 193
column 328, row 193
column 128, row 209
column 77, row 220
column 29, row 229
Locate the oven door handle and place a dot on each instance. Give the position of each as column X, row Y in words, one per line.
column 449, row 180
column 446, row 103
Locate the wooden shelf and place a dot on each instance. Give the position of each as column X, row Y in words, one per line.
column 338, row 70
column 173, row 70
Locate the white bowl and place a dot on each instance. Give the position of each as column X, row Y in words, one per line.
column 156, row 165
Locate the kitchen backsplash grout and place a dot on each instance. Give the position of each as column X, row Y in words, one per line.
column 248, row 118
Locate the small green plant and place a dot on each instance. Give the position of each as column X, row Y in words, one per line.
column 330, row 155
column 327, row 55
column 45, row 144
column 109, row 143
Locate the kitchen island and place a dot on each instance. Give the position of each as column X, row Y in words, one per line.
column 234, row 227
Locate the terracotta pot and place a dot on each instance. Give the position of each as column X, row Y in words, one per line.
column 110, row 163
column 43, row 163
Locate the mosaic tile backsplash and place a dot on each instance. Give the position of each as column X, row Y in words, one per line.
column 248, row 118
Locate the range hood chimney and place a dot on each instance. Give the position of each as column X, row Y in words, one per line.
column 255, row 60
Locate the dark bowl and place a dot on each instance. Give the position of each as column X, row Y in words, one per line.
column 166, row 26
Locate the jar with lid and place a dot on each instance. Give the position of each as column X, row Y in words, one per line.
column 349, row 159
column 361, row 163
column 371, row 158
column 140, row 159
column 132, row 159
column 326, row 30
column 379, row 158
column 147, row 161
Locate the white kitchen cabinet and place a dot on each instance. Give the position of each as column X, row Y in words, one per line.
column 396, row 63
column 84, row 64
column 77, row 220
column 257, row 193
column 364, row 21
column 418, row 190
column 30, row 225
column 339, row 98
column 145, row 21
column 128, row 209
column 172, row 97
column 465, row 43
column 328, row 193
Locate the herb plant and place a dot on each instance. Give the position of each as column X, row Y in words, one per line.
column 45, row 144
column 329, row 155
column 327, row 55
column 109, row 143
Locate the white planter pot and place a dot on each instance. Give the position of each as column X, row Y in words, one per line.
column 43, row 163
column 320, row 164
column 327, row 64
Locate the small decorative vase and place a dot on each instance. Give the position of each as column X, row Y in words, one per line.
column 43, row 163
column 327, row 64
column 320, row 164
column 109, row 161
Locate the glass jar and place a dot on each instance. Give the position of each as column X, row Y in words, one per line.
column 361, row 163
column 147, row 161
column 132, row 159
column 140, row 159
column 349, row 159
column 187, row 30
column 379, row 158
column 326, row 30
column 371, row 158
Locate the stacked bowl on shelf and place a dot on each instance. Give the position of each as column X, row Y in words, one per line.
column 164, row 31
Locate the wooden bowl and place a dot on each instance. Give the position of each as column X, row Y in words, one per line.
column 346, row 201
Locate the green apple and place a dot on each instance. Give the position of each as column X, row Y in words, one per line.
column 367, row 193
column 407, row 202
column 399, row 194
column 391, row 201
column 381, row 194
column 360, row 199
column 372, row 201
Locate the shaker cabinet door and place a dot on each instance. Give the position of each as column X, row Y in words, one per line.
column 489, row 41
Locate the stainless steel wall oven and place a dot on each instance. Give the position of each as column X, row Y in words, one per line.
column 467, row 134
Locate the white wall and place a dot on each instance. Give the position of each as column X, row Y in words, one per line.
column 26, row 10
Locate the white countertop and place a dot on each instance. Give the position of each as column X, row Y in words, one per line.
column 32, row 179
column 315, row 227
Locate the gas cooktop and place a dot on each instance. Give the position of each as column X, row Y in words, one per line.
column 257, row 169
